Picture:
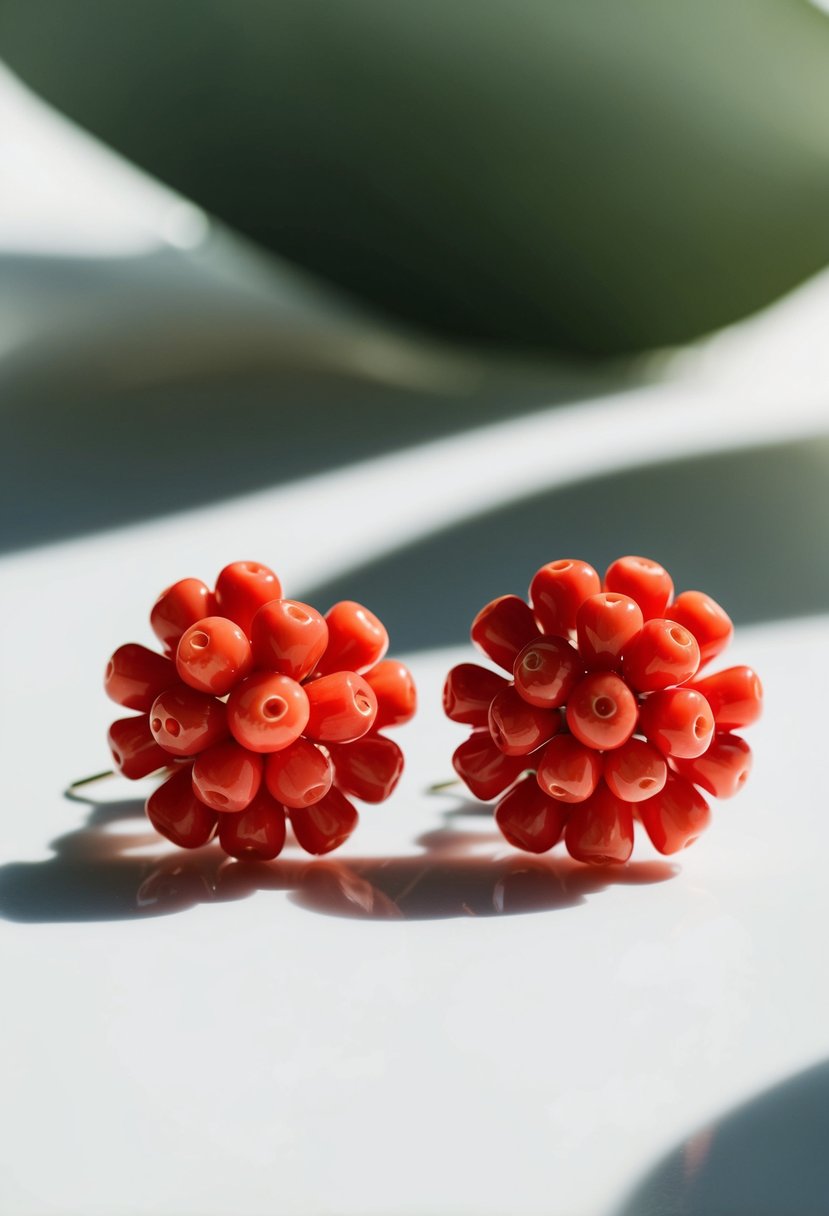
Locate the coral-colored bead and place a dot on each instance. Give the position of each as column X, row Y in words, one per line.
column 135, row 752
column 394, row 688
column 635, row 771
column 185, row 722
column 735, row 696
column 600, row 830
column 484, row 769
column 606, row 624
column 518, row 728
column 676, row 816
column 257, row 833
column 357, row 639
column 299, row 775
column 502, row 628
column 227, row 777
column 174, row 810
column 368, row 769
column 342, row 708
column 546, row 671
column 267, row 712
column 241, row 590
column 644, row 581
column 288, row 637
column 678, row 721
column 558, row 590
column 179, row 607
column 601, row 711
column 325, row 825
column 528, row 819
column 706, row 620
column 468, row 692
column 213, row 655
column 135, row 676
column 567, row 770
column 722, row 770
column 662, row 655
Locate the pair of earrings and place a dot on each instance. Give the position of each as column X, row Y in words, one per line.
column 262, row 711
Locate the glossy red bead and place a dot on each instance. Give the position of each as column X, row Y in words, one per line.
column 185, row 722
column 606, row 624
column 722, row 770
column 227, row 777
column 257, row 833
column 664, row 654
column 645, row 581
column 635, row 771
column 267, row 712
column 735, row 696
column 177, row 814
column 368, row 769
column 528, row 819
column 135, row 676
column 325, row 825
column 518, row 728
column 502, row 628
column 342, row 707
column 395, row 690
column 357, row 639
column 483, row 768
column 706, row 620
column 600, row 830
column 558, row 590
column 213, row 655
column 288, row 637
column 567, row 770
column 678, row 721
column 468, row 692
column 299, row 775
column 546, row 671
column 179, row 607
column 241, row 590
column 601, row 711
column 676, row 816
column 134, row 751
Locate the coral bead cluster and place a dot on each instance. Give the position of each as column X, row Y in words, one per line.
column 604, row 717
column 261, row 710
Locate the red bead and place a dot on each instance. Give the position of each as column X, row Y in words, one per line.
column 606, row 624
column 546, row 671
column 557, row 592
column 179, row 607
column 601, row 712
column 325, row 825
column 357, row 639
column 502, row 628
column 484, row 769
column 267, row 712
column 175, row 811
column 722, row 770
column 135, row 676
column 368, row 769
column 528, row 819
column 395, row 691
column 299, row 775
column 468, row 692
column 676, row 816
column 185, row 722
column 662, row 655
column 678, row 721
column 644, row 581
column 600, row 830
column 706, row 620
column 289, row 638
column 135, row 752
column 257, row 833
column 567, row 770
column 213, row 655
column 735, row 696
column 635, row 771
column 241, row 590
column 342, row 708
column 518, row 728
column 227, row 777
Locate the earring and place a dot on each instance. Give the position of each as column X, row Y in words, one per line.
column 604, row 717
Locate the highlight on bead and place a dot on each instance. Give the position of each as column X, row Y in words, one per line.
column 607, row 714
column 259, row 712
